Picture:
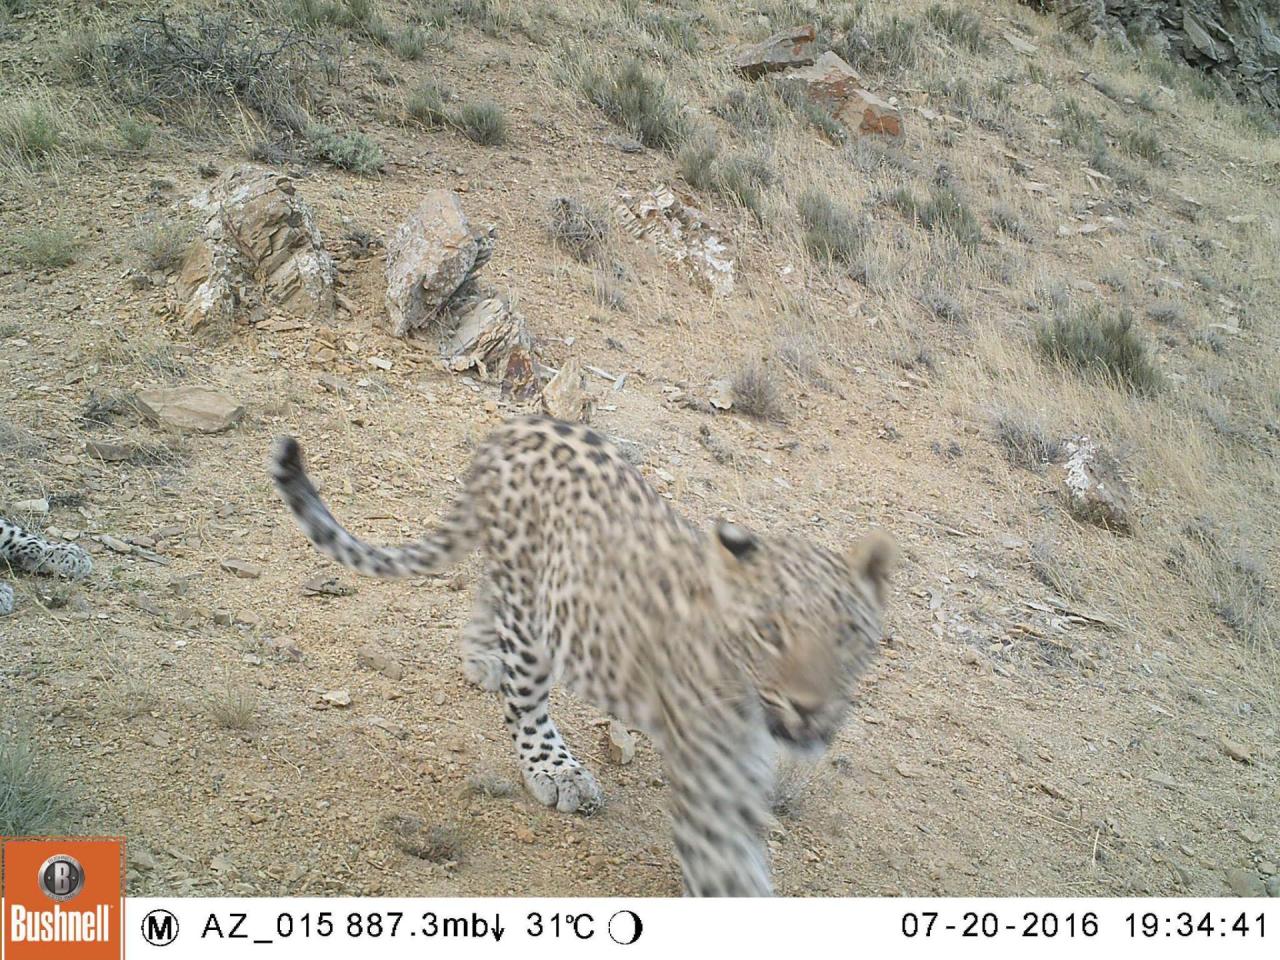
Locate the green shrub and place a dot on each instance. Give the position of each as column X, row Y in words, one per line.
column 353, row 151
column 136, row 134
column 44, row 248
column 410, row 44
column 30, row 132
column 483, row 122
column 635, row 99
column 961, row 25
column 426, row 104
column 1095, row 344
column 831, row 231
column 942, row 209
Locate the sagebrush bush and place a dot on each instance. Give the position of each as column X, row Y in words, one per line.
column 830, row 231
column 427, row 104
column 164, row 246
column 29, row 132
column 483, row 122
column 351, row 151
column 941, row 209
column 1095, row 343
column 961, row 25
column 637, row 100
column 44, row 248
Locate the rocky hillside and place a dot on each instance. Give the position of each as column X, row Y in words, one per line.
column 959, row 271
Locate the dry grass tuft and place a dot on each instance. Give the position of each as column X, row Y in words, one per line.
column 437, row 844
column 577, row 228
column 1099, row 345
column 234, row 707
column 756, row 392
column 32, row 800
column 637, row 100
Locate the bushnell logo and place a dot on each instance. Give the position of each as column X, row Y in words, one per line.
column 61, row 877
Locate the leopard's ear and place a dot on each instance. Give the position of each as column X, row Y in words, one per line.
column 873, row 557
column 738, row 542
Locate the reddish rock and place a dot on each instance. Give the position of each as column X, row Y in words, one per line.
column 837, row 86
column 790, row 48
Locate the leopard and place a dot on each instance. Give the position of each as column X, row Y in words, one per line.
column 21, row 549
column 726, row 647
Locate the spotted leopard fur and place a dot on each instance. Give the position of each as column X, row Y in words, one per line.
column 20, row 549
column 718, row 644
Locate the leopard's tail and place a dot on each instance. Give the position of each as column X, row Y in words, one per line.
column 434, row 554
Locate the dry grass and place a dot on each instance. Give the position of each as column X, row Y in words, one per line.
column 756, row 392
column 233, row 706
column 578, row 228
column 163, row 245
column 32, row 800
column 436, row 844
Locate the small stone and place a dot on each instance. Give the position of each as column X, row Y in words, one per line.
column 140, row 858
column 1273, row 886
column 110, row 452
column 337, row 698
column 222, row 618
column 190, row 408
column 40, row 506
column 1052, row 789
column 372, row 658
column 158, row 739
column 247, row 618
column 242, row 568
column 524, row 834
column 621, row 744
column 256, row 818
column 284, row 648
column 790, row 48
column 1237, row 751
column 721, row 395
column 910, row 771
column 1245, row 883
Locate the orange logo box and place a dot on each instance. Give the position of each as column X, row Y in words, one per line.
column 62, row 899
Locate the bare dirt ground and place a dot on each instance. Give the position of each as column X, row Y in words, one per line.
column 1011, row 740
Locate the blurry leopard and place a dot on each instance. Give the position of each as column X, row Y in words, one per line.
column 20, row 549
column 719, row 644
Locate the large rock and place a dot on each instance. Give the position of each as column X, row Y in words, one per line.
column 790, row 48
column 258, row 244
column 191, row 408
column 1234, row 39
column 1093, row 487
column 487, row 333
column 432, row 255
column 837, row 86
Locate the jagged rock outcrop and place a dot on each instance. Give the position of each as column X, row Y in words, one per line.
column 1237, row 40
column 257, row 245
